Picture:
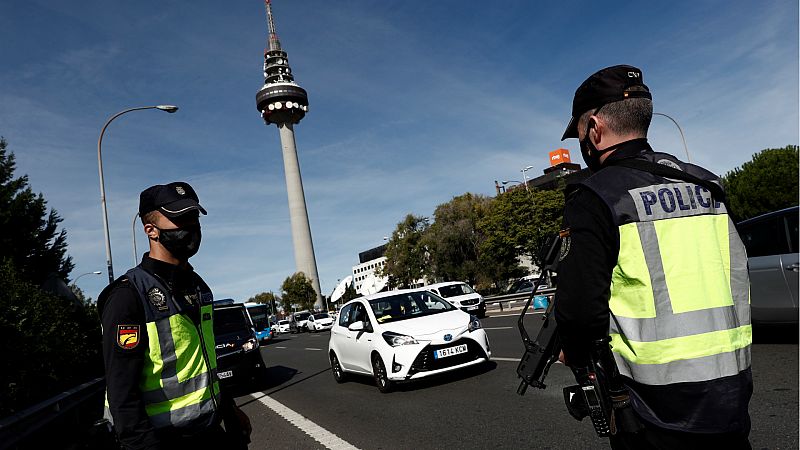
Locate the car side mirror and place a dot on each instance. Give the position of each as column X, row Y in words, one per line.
column 356, row 326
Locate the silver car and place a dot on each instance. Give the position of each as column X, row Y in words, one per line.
column 771, row 242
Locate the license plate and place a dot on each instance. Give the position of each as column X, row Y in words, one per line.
column 450, row 351
column 226, row 374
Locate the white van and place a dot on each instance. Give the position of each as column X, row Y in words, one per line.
column 460, row 295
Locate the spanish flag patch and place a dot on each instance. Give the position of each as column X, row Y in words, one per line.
column 127, row 336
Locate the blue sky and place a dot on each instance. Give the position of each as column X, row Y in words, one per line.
column 411, row 103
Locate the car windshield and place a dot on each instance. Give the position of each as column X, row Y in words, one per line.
column 408, row 306
column 454, row 290
column 321, row 316
column 302, row 316
column 229, row 320
column 283, row 322
column 258, row 314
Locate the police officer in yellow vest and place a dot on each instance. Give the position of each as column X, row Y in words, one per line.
column 653, row 261
column 158, row 338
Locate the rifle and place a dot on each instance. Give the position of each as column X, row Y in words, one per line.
column 542, row 352
column 600, row 393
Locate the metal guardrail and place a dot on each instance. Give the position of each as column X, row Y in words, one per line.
column 65, row 410
column 511, row 298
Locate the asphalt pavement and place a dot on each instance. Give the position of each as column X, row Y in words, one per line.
column 299, row 405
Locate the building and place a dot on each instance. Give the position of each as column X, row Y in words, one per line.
column 364, row 274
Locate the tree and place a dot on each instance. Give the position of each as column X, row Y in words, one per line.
column 406, row 255
column 29, row 235
column 298, row 290
column 266, row 298
column 517, row 224
column 454, row 239
column 766, row 183
column 49, row 343
column 349, row 294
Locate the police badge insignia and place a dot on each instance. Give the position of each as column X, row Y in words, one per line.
column 127, row 336
column 157, row 299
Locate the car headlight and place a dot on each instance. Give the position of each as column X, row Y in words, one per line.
column 249, row 345
column 395, row 339
column 474, row 323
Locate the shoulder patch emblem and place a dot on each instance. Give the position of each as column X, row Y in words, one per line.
column 157, row 299
column 127, row 336
column 566, row 242
column 668, row 163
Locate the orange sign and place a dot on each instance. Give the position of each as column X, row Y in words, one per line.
column 559, row 156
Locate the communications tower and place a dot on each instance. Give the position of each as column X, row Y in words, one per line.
column 282, row 102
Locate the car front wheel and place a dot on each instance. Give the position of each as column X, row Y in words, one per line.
column 381, row 377
column 336, row 369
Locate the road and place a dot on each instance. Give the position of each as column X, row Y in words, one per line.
column 475, row 408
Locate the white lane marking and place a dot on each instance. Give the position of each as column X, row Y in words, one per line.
column 497, row 328
column 277, row 346
column 319, row 434
column 505, row 359
column 311, row 348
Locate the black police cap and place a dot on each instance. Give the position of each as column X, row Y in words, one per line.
column 172, row 200
column 608, row 85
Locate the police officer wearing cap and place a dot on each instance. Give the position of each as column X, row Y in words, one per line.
column 158, row 338
column 651, row 262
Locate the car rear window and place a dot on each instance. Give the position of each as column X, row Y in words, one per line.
column 765, row 238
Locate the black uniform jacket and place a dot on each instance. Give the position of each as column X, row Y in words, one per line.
column 119, row 305
column 583, row 314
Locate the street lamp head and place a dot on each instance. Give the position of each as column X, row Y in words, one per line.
column 168, row 108
column 527, row 168
column 97, row 272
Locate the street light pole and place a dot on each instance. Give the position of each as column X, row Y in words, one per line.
column 525, row 178
column 685, row 148
column 167, row 108
column 133, row 233
column 96, row 272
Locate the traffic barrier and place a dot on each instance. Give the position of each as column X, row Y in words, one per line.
column 508, row 299
column 55, row 421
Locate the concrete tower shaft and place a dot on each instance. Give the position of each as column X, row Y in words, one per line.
column 282, row 102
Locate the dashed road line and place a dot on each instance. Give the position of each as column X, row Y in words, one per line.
column 505, row 359
column 311, row 348
column 278, row 346
column 319, row 434
column 497, row 328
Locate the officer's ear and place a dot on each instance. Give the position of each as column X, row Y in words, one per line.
column 596, row 129
column 151, row 231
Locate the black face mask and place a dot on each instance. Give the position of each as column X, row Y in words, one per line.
column 183, row 243
column 591, row 155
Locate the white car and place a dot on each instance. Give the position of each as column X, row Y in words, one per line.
column 404, row 335
column 461, row 295
column 283, row 326
column 319, row 322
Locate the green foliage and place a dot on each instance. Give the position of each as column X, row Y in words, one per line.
column 766, row 183
column 454, row 239
column 28, row 232
column 49, row 344
column 266, row 298
column 406, row 255
column 517, row 224
column 349, row 294
column 298, row 290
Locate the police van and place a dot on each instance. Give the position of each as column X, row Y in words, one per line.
column 238, row 357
